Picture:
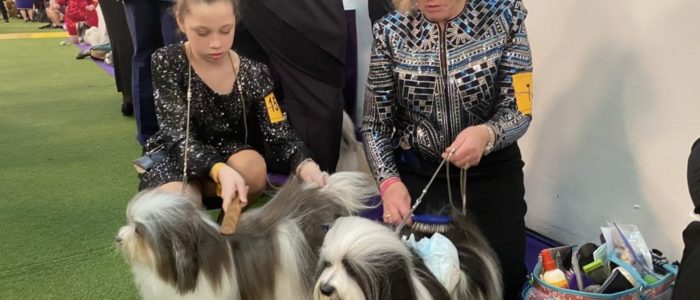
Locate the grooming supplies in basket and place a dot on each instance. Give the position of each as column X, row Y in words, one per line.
column 552, row 274
column 596, row 272
column 621, row 268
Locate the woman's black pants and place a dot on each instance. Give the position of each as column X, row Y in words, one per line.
column 495, row 196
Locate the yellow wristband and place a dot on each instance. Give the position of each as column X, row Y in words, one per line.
column 214, row 172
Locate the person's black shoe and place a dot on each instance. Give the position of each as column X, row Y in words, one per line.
column 127, row 109
column 47, row 26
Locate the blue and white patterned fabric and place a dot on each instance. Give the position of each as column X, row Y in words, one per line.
column 425, row 85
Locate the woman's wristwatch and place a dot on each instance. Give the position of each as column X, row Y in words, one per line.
column 492, row 140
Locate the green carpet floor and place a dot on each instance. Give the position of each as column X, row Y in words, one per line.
column 19, row 26
column 65, row 173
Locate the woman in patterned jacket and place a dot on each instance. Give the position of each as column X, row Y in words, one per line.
column 451, row 79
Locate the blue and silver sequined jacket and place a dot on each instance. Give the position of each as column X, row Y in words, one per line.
column 425, row 85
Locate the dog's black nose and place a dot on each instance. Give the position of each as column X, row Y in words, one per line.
column 327, row 289
column 118, row 240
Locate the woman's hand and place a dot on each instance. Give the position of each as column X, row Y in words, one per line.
column 396, row 202
column 311, row 172
column 232, row 184
column 468, row 147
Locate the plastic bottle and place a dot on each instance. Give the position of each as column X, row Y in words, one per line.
column 552, row 275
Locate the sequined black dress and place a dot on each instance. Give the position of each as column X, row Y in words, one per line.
column 217, row 122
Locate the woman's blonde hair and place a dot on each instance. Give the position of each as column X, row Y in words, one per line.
column 404, row 6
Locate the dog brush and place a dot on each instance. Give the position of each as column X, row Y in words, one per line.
column 429, row 224
column 230, row 219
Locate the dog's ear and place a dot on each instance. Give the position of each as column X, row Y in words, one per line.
column 400, row 284
column 175, row 255
column 186, row 264
column 139, row 229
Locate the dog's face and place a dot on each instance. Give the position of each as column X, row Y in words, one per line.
column 345, row 272
column 363, row 260
column 138, row 238
column 384, row 277
column 167, row 235
column 337, row 281
column 133, row 246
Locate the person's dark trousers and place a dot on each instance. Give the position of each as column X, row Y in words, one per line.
column 151, row 25
column 122, row 48
column 495, row 196
column 315, row 112
column 3, row 10
column 309, row 58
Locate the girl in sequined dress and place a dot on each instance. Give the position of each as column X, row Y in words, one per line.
column 227, row 91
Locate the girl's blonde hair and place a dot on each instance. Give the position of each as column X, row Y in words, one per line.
column 182, row 7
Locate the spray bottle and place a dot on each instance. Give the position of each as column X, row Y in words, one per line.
column 552, row 275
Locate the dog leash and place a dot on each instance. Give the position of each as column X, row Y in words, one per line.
column 422, row 194
column 462, row 187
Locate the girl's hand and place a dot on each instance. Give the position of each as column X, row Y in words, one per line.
column 311, row 172
column 232, row 185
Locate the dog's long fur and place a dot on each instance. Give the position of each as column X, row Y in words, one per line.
column 176, row 252
column 352, row 155
column 364, row 260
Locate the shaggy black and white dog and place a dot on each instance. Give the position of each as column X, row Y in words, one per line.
column 352, row 155
column 176, row 251
column 364, row 260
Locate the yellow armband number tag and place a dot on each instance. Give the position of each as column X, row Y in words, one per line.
column 273, row 109
column 522, row 83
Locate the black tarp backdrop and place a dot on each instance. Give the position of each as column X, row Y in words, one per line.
column 378, row 8
column 687, row 282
